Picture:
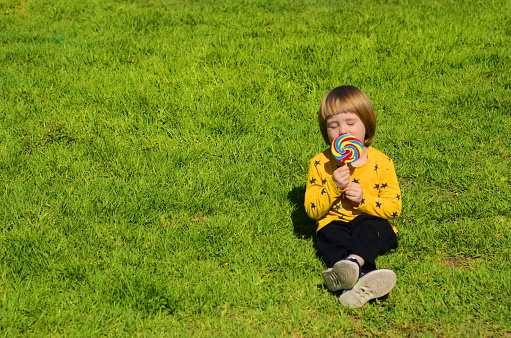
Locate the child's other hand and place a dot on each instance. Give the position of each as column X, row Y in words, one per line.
column 354, row 192
column 341, row 177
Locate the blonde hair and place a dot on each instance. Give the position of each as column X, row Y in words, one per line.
column 346, row 99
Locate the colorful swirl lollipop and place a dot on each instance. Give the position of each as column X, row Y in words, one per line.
column 347, row 148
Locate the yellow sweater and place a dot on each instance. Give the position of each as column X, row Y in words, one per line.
column 324, row 202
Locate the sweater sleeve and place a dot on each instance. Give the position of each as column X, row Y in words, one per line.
column 321, row 192
column 387, row 203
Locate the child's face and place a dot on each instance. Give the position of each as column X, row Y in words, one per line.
column 345, row 123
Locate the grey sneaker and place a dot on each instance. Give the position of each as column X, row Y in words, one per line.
column 374, row 284
column 342, row 276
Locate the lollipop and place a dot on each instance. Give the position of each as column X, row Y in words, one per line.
column 347, row 148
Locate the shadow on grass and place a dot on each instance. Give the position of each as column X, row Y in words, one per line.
column 304, row 227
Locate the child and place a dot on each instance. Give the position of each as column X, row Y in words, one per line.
column 352, row 203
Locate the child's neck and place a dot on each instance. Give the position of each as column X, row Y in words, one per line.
column 362, row 160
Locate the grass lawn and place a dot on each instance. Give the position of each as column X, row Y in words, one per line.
column 153, row 158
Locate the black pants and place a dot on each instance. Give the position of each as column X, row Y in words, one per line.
column 366, row 236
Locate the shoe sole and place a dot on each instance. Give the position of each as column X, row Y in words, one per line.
column 342, row 276
column 374, row 284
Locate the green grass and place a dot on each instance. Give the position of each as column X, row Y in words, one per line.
column 153, row 156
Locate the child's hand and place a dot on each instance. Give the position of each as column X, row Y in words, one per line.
column 354, row 193
column 341, row 177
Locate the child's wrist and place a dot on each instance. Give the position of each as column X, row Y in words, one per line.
column 336, row 187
